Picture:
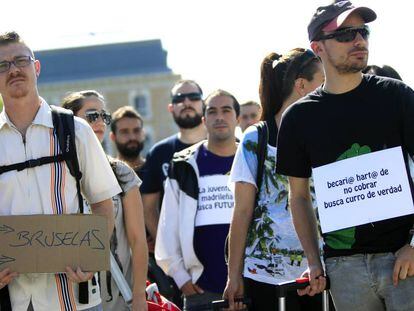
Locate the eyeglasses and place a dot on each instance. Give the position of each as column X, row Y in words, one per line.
column 19, row 61
column 180, row 97
column 92, row 116
column 347, row 34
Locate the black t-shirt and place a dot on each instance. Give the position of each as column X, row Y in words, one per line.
column 321, row 128
column 155, row 170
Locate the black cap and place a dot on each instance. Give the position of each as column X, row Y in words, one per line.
column 332, row 16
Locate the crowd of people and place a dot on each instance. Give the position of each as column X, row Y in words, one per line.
column 237, row 178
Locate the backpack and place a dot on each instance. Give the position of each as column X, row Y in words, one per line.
column 64, row 125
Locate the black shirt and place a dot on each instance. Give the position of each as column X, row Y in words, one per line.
column 321, row 128
column 155, row 170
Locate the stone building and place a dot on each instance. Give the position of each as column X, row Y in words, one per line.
column 131, row 73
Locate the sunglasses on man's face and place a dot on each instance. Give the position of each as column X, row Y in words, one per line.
column 180, row 97
column 93, row 116
column 347, row 34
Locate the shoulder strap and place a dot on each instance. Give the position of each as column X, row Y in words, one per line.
column 64, row 124
column 263, row 137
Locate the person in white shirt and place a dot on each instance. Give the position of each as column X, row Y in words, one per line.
column 26, row 132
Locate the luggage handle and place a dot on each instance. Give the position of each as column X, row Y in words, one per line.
column 223, row 304
column 283, row 288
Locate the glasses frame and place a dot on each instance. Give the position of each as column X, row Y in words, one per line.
column 337, row 35
column 92, row 116
column 180, row 97
column 8, row 64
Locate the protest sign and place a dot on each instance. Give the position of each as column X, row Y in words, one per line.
column 215, row 202
column 49, row 243
column 362, row 189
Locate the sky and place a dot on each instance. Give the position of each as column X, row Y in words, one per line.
column 218, row 43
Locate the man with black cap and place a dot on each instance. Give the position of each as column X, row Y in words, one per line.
column 352, row 124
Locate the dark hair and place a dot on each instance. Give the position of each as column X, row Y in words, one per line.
column 124, row 112
column 220, row 92
column 384, row 71
column 74, row 101
column 278, row 74
column 10, row 37
column 186, row 82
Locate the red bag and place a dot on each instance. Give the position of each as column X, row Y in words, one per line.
column 157, row 302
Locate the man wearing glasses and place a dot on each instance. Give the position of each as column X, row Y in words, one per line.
column 26, row 133
column 353, row 125
column 186, row 108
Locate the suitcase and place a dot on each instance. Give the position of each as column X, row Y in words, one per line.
column 281, row 292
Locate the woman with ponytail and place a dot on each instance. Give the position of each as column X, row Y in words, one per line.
column 263, row 247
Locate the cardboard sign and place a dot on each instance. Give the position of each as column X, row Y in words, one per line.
column 49, row 243
column 367, row 188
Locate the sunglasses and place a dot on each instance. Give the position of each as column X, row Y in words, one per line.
column 347, row 34
column 180, row 97
column 93, row 116
column 304, row 60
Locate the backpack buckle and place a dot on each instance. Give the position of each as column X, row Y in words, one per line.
column 33, row 163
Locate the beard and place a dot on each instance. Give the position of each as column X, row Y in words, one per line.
column 130, row 151
column 188, row 122
column 348, row 66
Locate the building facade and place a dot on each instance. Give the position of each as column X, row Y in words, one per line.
column 131, row 73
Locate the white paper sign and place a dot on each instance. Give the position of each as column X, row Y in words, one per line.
column 363, row 189
column 215, row 201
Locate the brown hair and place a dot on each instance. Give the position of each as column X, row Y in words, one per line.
column 124, row 112
column 278, row 74
column 11, row 37
column 74, row 101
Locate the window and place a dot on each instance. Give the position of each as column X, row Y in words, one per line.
column 140, row 100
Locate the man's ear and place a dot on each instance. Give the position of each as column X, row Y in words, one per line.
column 37, row 67
column 170, row 108
column 317, row 47
column 112, row 136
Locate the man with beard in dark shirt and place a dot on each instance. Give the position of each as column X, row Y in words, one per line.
column 186, row 108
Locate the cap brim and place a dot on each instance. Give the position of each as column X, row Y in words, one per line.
column 367, row 14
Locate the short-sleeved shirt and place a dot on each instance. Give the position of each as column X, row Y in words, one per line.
column 273, row 252
column 34, row 191
column 323, row 128
column 155, row 170
column 119, row 240
column 214, row 210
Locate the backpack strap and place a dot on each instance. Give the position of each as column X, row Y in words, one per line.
column 262, row 139
column 31, row 163
column 64, row 124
